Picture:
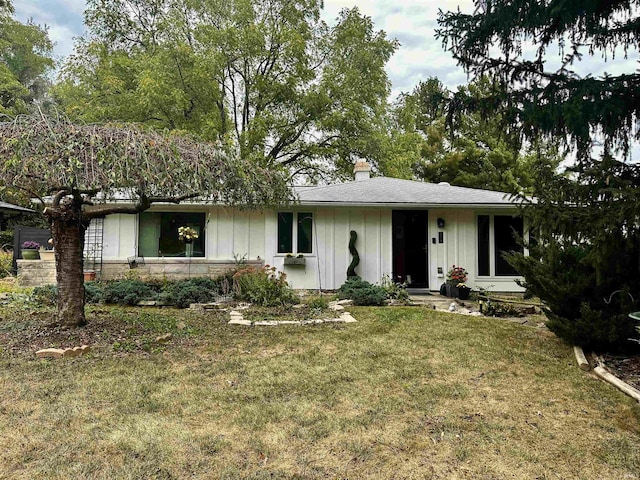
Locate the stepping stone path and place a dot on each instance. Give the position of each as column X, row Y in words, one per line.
column 345, row 317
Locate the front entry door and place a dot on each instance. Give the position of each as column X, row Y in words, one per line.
column 410, row 247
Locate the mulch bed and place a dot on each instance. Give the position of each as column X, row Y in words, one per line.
column 625, row 367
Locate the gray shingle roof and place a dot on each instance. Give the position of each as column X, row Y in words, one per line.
column 9, row 207
column 393, row 191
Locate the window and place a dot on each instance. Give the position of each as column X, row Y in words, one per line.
column 497, row 235
column 158, row 234
column 301, row 236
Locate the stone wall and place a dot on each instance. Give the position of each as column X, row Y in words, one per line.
column 34, row 273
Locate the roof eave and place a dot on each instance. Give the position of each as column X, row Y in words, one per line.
column 509, row 206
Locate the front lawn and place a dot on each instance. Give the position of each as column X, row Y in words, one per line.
column 403, row 393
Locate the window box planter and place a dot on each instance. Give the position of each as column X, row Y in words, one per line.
column 30, row 254
column 295, row 261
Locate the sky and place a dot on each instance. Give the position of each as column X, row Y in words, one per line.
column 411, row 22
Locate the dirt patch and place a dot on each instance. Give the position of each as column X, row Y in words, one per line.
column 113, row 330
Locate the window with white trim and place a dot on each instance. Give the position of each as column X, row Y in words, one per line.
column 158, row 234
column 497, row 234
column 295, row 232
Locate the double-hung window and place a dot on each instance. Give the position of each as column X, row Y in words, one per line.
column 295, row 232
column 498, row 234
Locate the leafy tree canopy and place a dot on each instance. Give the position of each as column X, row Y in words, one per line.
column 88, row 170
column 266, row 77
column 477, row 152
column 25, row 59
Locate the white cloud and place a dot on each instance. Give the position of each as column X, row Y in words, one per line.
column 412, row 22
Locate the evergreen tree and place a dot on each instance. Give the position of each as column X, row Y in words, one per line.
column 588, row 222
column 475, row 152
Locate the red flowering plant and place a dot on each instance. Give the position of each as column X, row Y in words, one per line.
column 457, row 276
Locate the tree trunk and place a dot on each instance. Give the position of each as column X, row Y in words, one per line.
column 67, row 229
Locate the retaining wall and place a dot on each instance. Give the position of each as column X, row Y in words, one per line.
column 34, row 273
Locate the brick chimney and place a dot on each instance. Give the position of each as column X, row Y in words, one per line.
column 362, row 170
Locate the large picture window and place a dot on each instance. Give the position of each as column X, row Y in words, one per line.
column 295, row 229
column 497, row 234
column 158, row 234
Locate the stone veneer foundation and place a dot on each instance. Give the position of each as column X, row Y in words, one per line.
column 34, row 273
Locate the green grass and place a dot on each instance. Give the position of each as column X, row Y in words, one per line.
column 404, row 393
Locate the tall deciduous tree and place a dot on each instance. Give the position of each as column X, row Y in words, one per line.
column 471, row 151
column 84, row 169
column 589, row 223
column 267, row 77
column 25, row 59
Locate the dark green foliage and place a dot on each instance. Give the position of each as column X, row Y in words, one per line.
column 351, row 271
column 129, row 292
column 195, row 290
column 93, row 292
column 583, row 308
column 6, row 238
column 496, row 37
column 265, row 287
column 587, row 222
column 45, row 295
column 362, row 292
column 477, row 151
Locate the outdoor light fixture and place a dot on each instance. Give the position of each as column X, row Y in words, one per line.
column 441, row 223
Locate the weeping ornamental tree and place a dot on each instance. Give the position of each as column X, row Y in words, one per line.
column 588, row 221
column 81, row 172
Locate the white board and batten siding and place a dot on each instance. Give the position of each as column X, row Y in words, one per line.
column 253, row 235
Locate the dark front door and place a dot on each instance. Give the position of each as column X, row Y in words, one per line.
column 410, row 247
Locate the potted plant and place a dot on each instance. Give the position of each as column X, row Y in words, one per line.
column 30, row 250
column 45, row 253
column 456, row 278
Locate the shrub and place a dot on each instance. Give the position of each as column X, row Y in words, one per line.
column 45, row 295
column 318, row 303
column 93, row 292
column 6, row 263
column 362, row 292
column 195, row 290
column 396, row 291
column 579, row 301
column 128, row 292
column 265, row 287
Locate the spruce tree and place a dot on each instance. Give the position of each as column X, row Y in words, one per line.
column 586, row 263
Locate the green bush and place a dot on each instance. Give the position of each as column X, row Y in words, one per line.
column 129, row 292
column 6, row 263
column 93, row 292
column 580, row 302
column 45, row 295
column 395, row 291
column 362, row 292
column 265, row 287
column 195, row 290
column 318, row 303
